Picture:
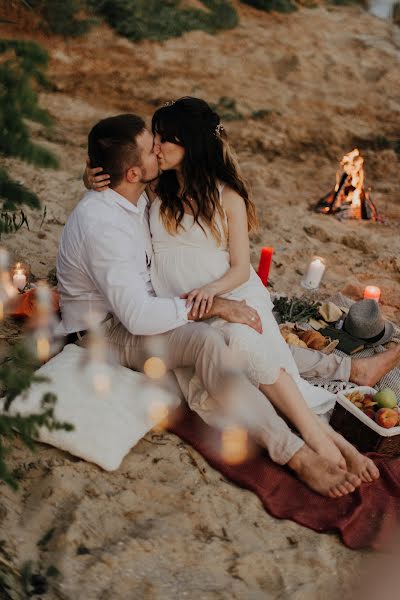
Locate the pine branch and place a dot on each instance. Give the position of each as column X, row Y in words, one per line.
column 15, row 193
column 20, row 75
column 10, row 222
column 18, row 372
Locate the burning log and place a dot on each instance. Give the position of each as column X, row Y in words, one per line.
column 349, row 199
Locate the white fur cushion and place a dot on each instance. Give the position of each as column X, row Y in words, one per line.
column 106, row 425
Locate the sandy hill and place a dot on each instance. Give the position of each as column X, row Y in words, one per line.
column 327, row 81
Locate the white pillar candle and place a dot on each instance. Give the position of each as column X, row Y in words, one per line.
column 4, row 259
column 19, row 279
column 313, row 276
column 43, row 295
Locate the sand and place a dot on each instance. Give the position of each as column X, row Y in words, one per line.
column 160, row 527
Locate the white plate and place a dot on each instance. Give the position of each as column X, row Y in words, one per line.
column 343, row 401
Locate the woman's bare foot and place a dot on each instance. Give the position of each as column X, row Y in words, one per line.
column 321, row 475
column 357, row 463
column 285, row 395
column 323, row 444
column 368, row 371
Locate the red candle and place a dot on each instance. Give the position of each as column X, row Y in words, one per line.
column 265, row 264
column 372, row 292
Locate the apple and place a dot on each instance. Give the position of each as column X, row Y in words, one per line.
column 386, row 398
column 387, row 417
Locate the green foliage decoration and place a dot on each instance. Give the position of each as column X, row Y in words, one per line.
column 164, row 19
column 296, row 310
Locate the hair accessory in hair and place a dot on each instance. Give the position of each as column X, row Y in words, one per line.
column 169, row 103
column 219, row 128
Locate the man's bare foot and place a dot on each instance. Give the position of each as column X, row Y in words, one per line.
column 356, row 463
column 361, row 465
column 321, row 475
column 368, row 371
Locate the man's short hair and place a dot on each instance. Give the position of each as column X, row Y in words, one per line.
column 112, row 145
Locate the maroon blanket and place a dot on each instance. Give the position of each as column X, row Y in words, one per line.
column 366, row 518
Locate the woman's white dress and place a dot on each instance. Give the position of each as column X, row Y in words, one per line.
column 190, row 259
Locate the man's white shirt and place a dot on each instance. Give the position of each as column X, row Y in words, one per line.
column 103, row 266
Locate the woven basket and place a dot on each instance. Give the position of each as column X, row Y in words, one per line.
column 362, row 431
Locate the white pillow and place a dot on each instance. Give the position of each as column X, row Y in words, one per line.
column 107, row 425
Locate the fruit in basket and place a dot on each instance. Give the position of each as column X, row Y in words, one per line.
column 369, row 412
column 386, row 398
column 387, row 417
column 361, row 400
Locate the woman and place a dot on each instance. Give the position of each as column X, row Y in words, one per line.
column 200, row 217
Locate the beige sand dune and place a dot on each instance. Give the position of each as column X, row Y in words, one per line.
column 166, row 525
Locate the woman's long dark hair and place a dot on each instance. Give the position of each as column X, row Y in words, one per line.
column 208, row 161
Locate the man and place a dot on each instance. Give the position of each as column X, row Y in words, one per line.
column 103, row 267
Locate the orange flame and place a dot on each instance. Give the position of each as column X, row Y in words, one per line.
column 353, row 164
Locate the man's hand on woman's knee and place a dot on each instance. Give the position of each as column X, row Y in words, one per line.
column 233, row 311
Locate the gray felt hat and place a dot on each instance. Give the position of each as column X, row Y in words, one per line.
column 365, row 322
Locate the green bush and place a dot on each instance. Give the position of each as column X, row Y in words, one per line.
column 59, row 16
column 285, row 6
column 363, row 3
column 163, row 19
column 227, row 109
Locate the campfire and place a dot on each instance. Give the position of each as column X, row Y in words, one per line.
column 349, row 199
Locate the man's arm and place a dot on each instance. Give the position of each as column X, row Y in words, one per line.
column 109, row 258
column 233, row 311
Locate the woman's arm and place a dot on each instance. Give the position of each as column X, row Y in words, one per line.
column 92, row 180
column 239, row 250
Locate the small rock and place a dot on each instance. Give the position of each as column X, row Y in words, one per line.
column 317, row 232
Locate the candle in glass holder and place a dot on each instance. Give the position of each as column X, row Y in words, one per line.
column 7, row 290
column 43, row 295
column 372, row 292
column 4, row 259
column 313, row 276
column 19, row 277
column 265, row 264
